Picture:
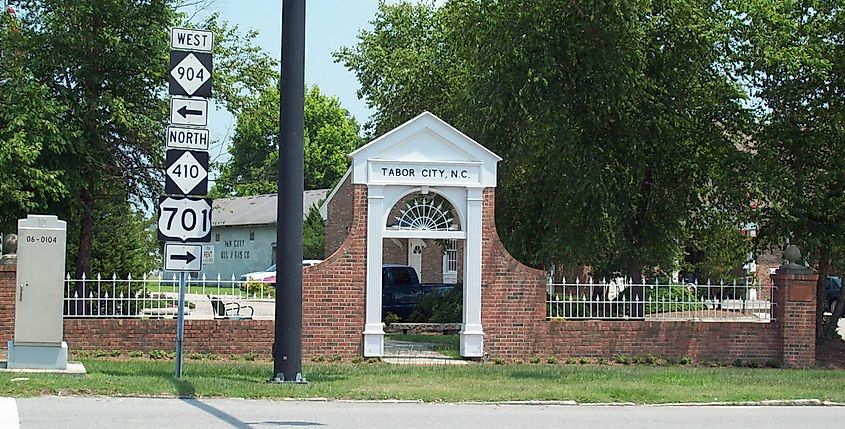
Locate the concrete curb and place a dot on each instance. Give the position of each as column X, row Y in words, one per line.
column 765, row 403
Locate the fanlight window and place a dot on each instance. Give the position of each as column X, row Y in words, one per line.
column 425, row 214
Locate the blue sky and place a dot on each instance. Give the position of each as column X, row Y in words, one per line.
column 330, row 24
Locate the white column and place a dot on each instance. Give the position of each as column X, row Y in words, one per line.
column 373, row 328
column 472, row 336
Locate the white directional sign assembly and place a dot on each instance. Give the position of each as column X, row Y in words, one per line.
column 189, row 111
column 190, row 74
column 187, row 138
column 187, row 172
column 186, row 39
column 184, row 219
column 182, row 257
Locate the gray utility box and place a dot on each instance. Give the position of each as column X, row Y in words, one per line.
column 39, row 294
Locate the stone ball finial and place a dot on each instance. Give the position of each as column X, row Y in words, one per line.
column 792, row 265
column 792, row 254
column 10, row 244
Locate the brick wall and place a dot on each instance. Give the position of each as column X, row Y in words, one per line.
column 333, row 292
column 515, row 325
column 513, row 316
column 332, row 320
column 7, row 304
column 222, row 337
column 797, row 315
column 339, row 217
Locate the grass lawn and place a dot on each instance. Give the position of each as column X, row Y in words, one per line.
column 477, row 382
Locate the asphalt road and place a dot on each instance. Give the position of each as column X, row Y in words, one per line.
column 128, row 413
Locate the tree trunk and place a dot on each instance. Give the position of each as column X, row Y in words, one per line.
column 635, row 274
column 825, row 331
column 86, row 230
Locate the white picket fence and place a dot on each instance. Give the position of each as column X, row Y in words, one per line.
column 157, row 297
column 724, row 302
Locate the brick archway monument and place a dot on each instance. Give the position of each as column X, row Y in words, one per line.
column 427, row 156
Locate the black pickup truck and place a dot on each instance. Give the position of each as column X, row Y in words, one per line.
column 401, row 290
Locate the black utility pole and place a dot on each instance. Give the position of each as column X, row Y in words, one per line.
column 287, row 348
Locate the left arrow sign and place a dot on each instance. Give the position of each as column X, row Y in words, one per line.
column 182, row 257
column 189, row 111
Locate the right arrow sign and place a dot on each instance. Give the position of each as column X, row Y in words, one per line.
column 182, row 257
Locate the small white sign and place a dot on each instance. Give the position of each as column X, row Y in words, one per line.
column 182, row 257
column 189, row 111
column 185, row 39
column 186, row 172
column 187, row 138
column 191, row 74
column 208, row 254
column 184, row 219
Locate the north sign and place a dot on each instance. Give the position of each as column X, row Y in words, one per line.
column 184, row 219
column 189, row 111
column 186, row 39
column 190, row 74
column 186, row 138
column 182, row 257
column 187, row 172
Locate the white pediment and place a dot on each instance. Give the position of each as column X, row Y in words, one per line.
column 425, row 151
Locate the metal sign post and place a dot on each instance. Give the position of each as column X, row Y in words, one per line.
column 180, row 325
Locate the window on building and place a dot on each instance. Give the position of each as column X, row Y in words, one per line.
column 450, row 262
column 252, row 236
column 452, row 255
column 216, row 236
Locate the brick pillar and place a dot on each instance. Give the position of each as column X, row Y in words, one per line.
column 8, row 275
column 795, row 310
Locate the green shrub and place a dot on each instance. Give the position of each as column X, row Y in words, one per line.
column 434, row 308
column 357, row 359
column 773, row 363
column 672, row 299
column 135, row 354
column 534, row 359
column 551, row 360
column 156, row 354
column 686, row 360
column 391, row 318
column 250, row 356
column 259, row 289
column 623, row 359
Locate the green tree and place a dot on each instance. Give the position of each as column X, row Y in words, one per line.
column 92, row 83
column 617, row 126
column 104, row 64
column 791, row 55
column 331, row 133
column 28, row 134
column 313, row 234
